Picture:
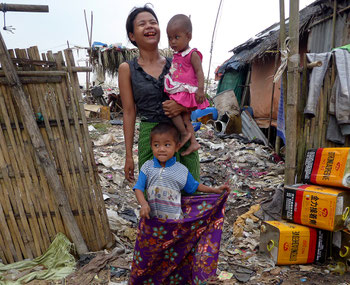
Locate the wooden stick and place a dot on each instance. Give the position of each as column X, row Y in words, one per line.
column 24, row 8
column 41, row 151
column 314, row 64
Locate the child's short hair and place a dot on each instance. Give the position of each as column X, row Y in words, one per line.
column 166, row 128
column 184, row 21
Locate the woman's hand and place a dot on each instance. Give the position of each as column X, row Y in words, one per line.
column 145, row 210
column 172, row 109
column 129, row 169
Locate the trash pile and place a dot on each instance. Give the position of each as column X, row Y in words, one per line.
column 255, row 174
column 249, row 168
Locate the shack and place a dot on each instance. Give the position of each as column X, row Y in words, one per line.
column 323, row 26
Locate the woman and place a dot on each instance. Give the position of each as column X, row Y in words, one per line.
column 166, row 251
column 141, row 84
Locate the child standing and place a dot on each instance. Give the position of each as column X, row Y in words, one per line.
column 163, row 178
column 185, row 81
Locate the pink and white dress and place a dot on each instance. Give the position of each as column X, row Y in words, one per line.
column 181, row 82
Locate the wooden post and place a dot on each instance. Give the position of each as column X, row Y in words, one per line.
column 42, row 154
column 292, row 98
column 334, row 20
column 23, row 8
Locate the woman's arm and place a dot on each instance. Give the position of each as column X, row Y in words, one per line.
column 129, row 117
column 197, row 66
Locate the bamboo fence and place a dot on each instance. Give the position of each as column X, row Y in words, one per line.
column 29, row 212
column 312, row 131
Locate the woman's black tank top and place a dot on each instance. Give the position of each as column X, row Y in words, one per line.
column 149, row 92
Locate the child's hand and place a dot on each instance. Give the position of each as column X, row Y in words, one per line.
column 222, row 188
column 145, row 210
column 200, row 97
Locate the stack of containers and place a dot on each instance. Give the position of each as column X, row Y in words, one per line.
column 316, row 213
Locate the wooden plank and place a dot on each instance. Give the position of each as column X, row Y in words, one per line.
column 34, row 80
column 24, row 8
column 37, row 73
column 38, row 143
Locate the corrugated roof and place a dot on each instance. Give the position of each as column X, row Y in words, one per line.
column 268, row 39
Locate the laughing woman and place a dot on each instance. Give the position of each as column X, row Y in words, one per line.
column 141, row 84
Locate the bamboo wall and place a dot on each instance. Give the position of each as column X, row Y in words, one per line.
column 29, row 214
column 312, row 131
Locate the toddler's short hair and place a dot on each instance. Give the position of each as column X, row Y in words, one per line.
column 166, row 128
column 183, row 20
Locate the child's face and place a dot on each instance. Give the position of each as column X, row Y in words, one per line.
column 178, row 38
column 164, row 147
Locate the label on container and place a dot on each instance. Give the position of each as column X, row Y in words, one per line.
column 312, row 205
column 299, row 244
column 328, row 166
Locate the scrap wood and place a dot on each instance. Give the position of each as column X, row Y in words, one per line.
column 238, row 226
column 86, row 274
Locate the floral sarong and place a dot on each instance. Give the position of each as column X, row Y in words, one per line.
column 180, row 251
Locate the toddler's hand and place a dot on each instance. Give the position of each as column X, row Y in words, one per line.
column 200, row 97
column 145, row 210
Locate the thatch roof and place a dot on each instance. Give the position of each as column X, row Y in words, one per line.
column 109, row 59
column 268, row 39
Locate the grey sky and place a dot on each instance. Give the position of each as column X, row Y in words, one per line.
column 238, row 21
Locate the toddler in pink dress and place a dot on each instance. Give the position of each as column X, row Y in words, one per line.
column 185, row 81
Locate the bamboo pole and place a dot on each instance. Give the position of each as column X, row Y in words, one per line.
column 211, row 47
column 41, row 151
column 282, row 36
column 292, row 98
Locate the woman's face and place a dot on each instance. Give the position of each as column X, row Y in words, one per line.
column 146, row 30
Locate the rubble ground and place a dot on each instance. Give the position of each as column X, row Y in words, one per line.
column 255, row 175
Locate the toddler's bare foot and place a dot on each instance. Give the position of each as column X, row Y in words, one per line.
column 184, row 138
column 192, row 147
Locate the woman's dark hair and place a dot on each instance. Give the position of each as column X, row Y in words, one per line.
column 130, row 20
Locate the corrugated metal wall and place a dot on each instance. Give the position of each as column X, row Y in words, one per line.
column 320, row 36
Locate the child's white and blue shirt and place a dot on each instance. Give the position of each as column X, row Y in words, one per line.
column 164, row 185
